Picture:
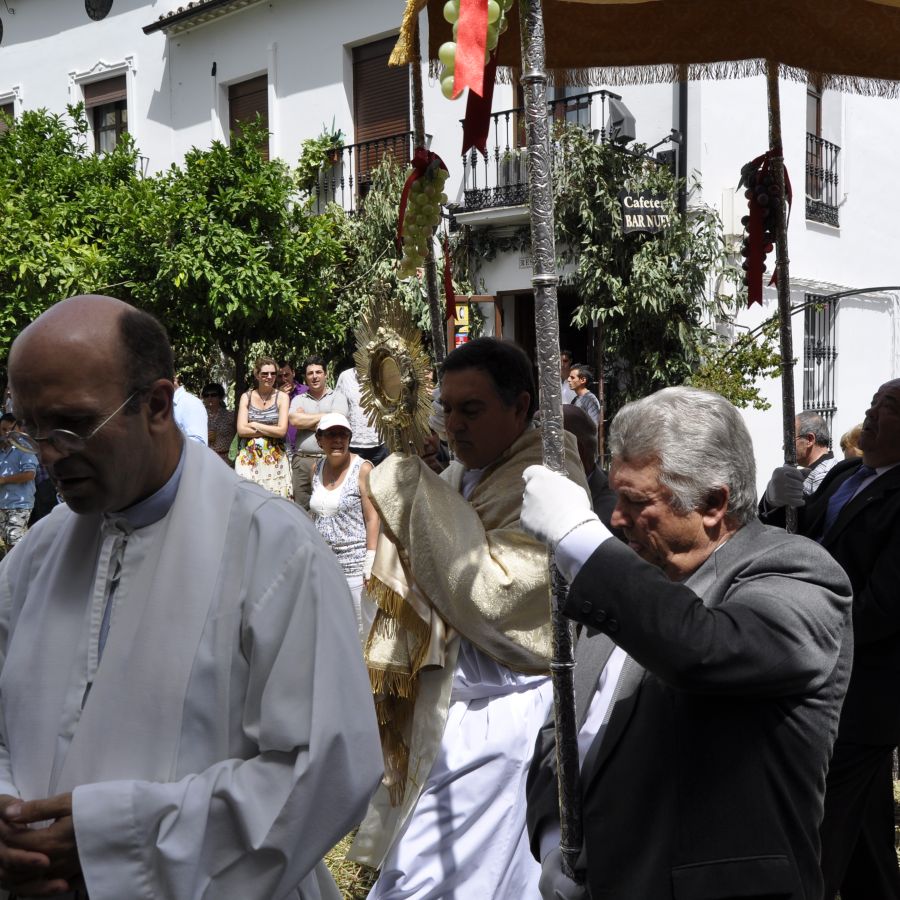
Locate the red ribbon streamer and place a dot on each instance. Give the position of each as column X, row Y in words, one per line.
column 477, row 123
column 471, row 44
column 449, row 295
column 420, row 162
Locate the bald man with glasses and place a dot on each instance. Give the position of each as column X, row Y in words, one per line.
column 184, row 712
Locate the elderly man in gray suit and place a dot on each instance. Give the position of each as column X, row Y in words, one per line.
column 710, row 683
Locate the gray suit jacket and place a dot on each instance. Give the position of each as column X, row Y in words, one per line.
column 709, row 779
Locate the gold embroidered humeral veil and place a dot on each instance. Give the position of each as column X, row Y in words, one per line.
column 448, row 565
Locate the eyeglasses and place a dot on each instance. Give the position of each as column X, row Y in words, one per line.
column 61, row 439
column 208, row 396
column 266, row 374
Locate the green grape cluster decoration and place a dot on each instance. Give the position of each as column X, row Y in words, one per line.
column 496, row 25
column 422, row 215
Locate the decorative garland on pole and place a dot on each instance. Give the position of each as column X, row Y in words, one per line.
column 763, row 195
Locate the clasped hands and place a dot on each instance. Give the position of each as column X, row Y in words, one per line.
column 38, row 861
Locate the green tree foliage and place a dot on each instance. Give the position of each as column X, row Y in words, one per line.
column 650, row 293
column 220, row 248
column 58, row 205
column 732, row 368
column 222, row 251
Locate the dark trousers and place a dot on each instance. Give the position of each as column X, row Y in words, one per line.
column 374, row 455
column 302, row 468
column 858, row 856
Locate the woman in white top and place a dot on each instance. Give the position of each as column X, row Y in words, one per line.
column 343, row 513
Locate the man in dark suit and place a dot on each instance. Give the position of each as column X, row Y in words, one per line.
column 855, row 515
column 705, row 733
column 603, row 497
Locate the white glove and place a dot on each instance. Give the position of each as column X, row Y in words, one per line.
column 785, row 488
column 368, row 562
column 554, row 883
column 553, row 505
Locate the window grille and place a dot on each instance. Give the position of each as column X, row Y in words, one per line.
column 822, row 180
column 820, row 356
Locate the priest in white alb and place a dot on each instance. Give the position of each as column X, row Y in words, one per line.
column 185, row 712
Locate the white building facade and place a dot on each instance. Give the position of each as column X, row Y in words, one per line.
column 181, row 75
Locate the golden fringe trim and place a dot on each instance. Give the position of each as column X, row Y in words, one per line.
column 396, row 608
column 671, row 72
column 386, row 598
column 404, row 51
column 394, row 716
column 397, row 684
column 394, row 689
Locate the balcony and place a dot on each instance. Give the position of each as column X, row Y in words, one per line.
column 822, row 181
column 501, row 180
column 349, row 176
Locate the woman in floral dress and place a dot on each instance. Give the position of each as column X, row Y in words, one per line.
column 262, row 424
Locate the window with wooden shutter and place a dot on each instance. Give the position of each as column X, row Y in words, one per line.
column 107, row 109
column 246, row 100
column 7, row 109
column 380, row 108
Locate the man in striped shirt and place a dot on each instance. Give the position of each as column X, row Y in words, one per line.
column 813, row 438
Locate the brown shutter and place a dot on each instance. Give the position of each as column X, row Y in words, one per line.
column 110, row 90
column 380, row 107
column 380, row 92
column 245, row 100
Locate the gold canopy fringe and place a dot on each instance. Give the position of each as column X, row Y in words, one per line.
column 718, row 71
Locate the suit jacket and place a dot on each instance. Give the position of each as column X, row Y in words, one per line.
column 709, row 779
column 865, row 540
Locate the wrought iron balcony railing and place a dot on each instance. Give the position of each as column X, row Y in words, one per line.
column 501, row 179
column 348, row 177
column 822, row 180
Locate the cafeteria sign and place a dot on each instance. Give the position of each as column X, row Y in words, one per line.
column 644, row 211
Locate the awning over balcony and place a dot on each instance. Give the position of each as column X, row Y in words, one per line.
column 197, row 13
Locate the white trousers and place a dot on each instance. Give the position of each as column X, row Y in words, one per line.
column 466, row 838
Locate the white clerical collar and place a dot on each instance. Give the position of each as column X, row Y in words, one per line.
column 153, row 508
column 470, row 478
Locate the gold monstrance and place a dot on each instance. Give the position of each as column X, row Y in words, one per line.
column 391, row 365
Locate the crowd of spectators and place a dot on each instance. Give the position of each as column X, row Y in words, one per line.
column 771, row 658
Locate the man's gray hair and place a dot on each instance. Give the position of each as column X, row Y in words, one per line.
column 700, row 443
column 809, row 422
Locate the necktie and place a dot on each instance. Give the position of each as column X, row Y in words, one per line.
column 843, row 495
